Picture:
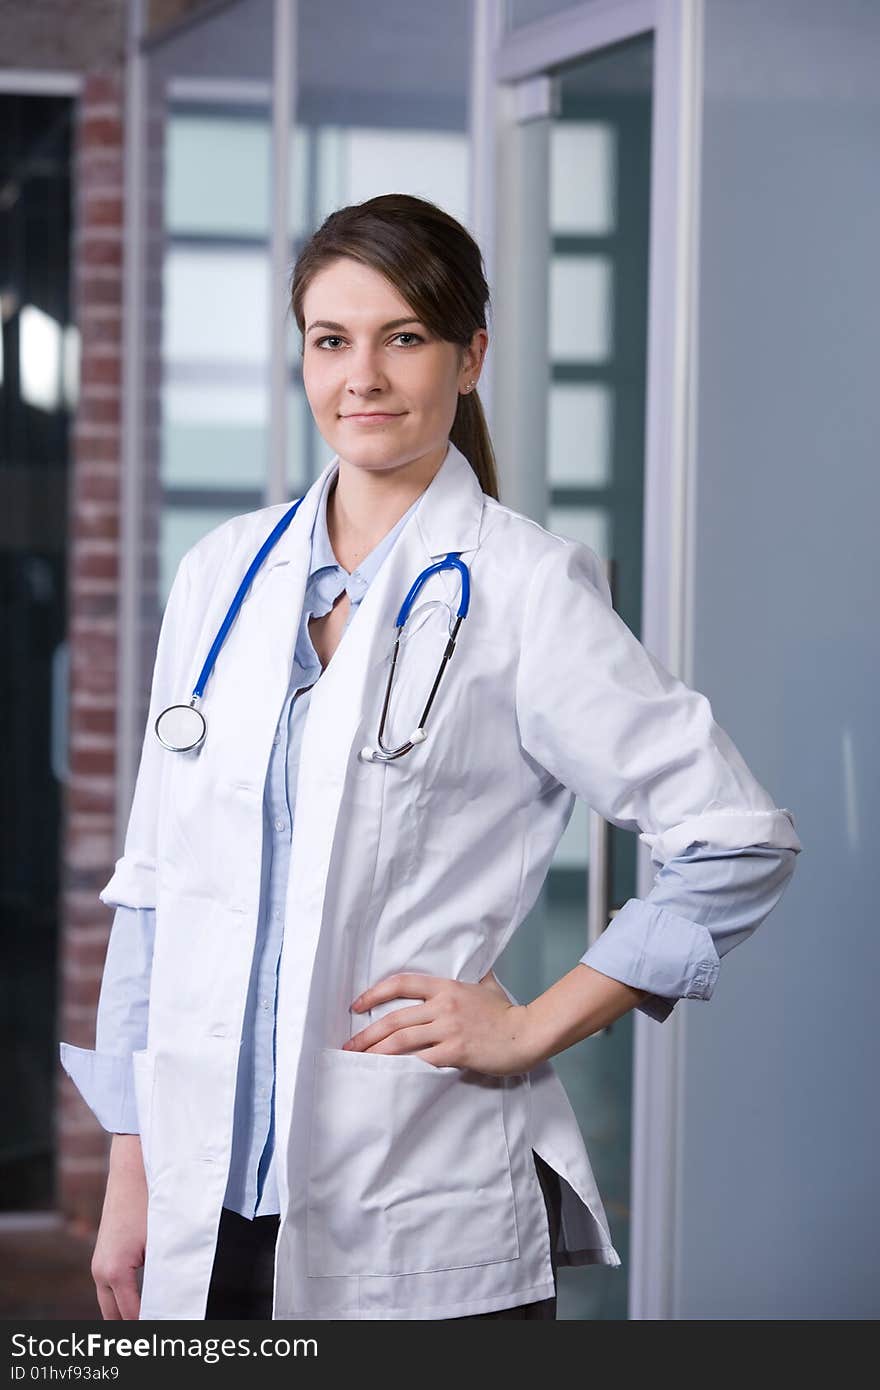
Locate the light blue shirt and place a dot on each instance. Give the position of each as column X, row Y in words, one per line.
column 251, row 1188
column 652, row 943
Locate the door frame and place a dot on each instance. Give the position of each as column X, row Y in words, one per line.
column 507, row 74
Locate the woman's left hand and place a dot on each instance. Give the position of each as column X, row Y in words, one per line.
column 458, row 1025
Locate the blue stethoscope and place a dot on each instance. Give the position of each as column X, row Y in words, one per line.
column 183, row 727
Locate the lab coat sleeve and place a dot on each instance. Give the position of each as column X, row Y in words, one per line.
column 104, row 1076
column 606, row 719
column 133, row 882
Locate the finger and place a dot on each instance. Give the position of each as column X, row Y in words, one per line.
column 404, row 986
column 376, row 1032
column 128, row 1299
column 406, row 1041
column 107, row 1303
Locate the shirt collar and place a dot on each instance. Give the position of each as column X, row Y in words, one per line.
column 323, row 555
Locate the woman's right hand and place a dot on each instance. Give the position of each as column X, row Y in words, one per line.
column 122, row 1235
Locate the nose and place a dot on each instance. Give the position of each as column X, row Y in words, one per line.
column 366, row 376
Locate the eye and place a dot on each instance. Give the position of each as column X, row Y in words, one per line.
column 334, row 337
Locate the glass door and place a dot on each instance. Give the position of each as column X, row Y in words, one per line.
column 590, row 122
column 38, row 390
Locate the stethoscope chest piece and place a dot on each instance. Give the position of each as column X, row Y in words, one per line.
column 180, row 728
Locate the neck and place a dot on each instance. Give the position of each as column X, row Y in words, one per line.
column 363, row 506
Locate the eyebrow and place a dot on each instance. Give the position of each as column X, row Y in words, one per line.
column 340, row 327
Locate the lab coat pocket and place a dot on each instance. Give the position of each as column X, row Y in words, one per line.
column 144, row 1072
column 409, row 1169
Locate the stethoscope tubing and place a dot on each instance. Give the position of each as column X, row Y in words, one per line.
column 383, row 754
column 275, row 535
column 380, row 754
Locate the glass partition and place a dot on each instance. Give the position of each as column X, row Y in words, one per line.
column 205, row 343
column 381, row 107
column 595, row 266
column 371, row 116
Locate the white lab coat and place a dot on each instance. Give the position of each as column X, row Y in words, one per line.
column 407, row 1190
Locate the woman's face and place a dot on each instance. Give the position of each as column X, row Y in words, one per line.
column 365, row 351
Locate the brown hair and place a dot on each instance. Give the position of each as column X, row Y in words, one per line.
column 436, row 266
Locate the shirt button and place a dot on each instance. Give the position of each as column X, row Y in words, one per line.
column 279, row 824
column 264, row 1003
column 276, row 915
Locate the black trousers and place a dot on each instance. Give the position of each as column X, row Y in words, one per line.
column 244, row 1263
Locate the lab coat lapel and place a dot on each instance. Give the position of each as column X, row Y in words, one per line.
column 347, row 699
column 343, row 716
column 245, row 693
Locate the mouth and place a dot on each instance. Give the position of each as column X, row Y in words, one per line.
column 374, row 416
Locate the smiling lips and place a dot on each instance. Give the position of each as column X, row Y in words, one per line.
column 368, row 416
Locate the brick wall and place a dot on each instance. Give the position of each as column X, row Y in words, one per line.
column 88, row 840
column 89, row 844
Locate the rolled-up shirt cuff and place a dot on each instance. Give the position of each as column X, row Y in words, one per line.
column 651, row 948
column 106, row 1083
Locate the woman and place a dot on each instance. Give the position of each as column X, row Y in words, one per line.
column 317, row 1087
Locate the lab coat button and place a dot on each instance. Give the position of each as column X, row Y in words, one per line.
column 279, row 824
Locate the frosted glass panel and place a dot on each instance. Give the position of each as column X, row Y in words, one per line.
column 215, row 304
column 218, row 175
column 181, row 528
column 590, row 525
column 580, row 308
column 579, row 422
column 572, row 852
column 214, row 436
column 299, row 173
column 382, row 98
column 521, row 12
column 305, row 442
column 353, row 164
column 582, row 178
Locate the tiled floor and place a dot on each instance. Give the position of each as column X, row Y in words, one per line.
column 44, row 1271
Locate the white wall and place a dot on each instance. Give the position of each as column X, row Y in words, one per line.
column 779, row 1216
